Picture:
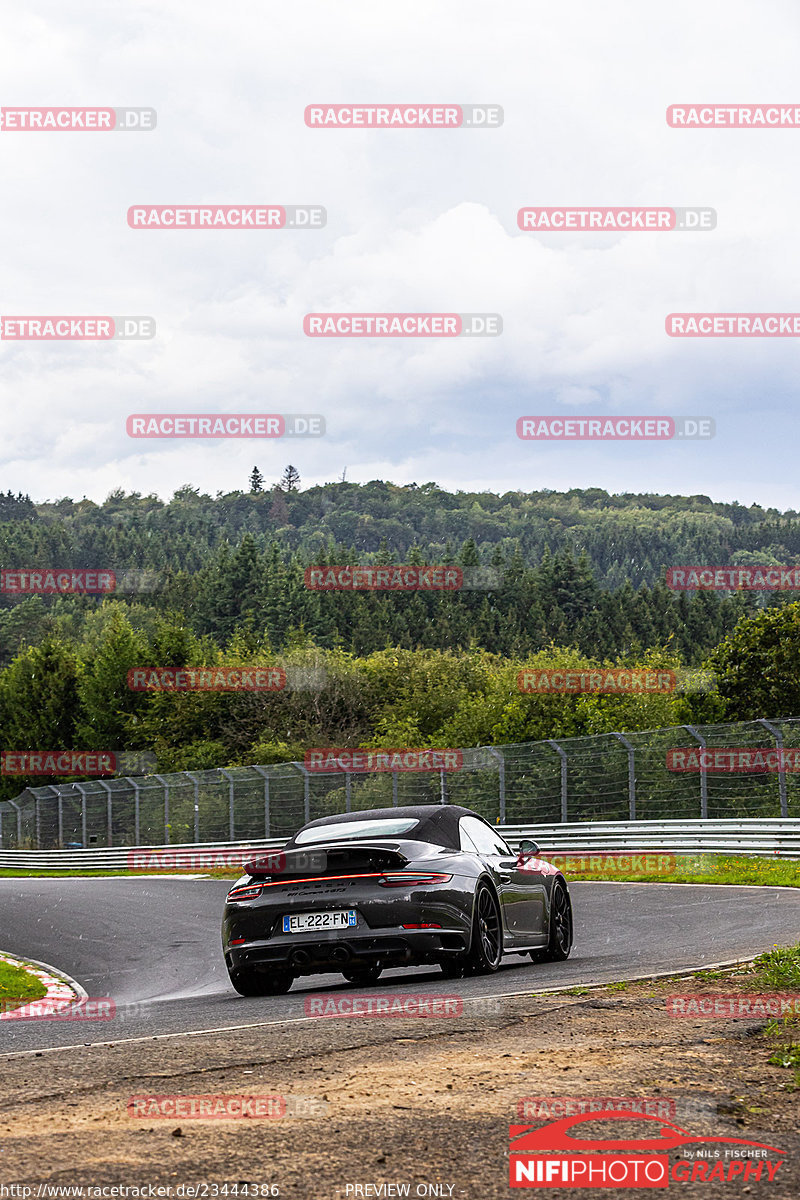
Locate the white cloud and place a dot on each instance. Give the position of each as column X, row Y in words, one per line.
column 417, row 221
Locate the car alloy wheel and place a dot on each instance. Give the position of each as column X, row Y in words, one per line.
column 487, row 937
column 559, row 944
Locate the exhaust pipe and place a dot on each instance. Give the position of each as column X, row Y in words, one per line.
column 340, row 954
column 301, row 958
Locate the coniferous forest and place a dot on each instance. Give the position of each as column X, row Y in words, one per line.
column 561, row 578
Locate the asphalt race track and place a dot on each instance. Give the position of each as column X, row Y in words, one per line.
column 153, row 946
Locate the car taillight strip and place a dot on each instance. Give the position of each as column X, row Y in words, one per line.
column 322, row 879
column 409, row 879
column 395, row 879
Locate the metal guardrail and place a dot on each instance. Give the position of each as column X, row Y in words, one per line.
column 131, row 858
column 773, row 838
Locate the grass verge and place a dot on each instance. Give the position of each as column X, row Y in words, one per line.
column 17, row 986
column 697, row 868
column 690, row 868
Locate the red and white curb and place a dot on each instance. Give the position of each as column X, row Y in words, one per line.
column 61, row 989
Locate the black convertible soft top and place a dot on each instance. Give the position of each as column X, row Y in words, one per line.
column 438, row 823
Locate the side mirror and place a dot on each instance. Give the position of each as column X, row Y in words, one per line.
column 526, row 846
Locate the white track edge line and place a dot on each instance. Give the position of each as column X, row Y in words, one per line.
column 156, row 1037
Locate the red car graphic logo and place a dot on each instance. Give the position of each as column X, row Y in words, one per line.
column 528, row 1139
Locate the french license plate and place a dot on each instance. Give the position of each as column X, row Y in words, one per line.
column 339, row 919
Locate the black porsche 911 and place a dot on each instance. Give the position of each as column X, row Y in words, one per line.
column 392, row 887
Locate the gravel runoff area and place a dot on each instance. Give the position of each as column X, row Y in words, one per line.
column 420, row 1102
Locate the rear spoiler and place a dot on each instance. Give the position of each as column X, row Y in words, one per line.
column 335, row 858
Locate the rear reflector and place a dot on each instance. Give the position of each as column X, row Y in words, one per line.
column 423, row 925
column 237, row 941
column 411, row 879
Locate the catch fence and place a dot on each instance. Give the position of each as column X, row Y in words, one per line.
column 608, row 777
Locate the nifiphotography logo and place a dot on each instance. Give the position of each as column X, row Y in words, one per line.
column 627, row 1162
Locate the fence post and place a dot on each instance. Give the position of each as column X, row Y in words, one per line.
column 776, row 733
column 563, row 756
column 135, row 787
column 265, row 776
column 703, row 773
column 165, row 786
column 196, row 784
column 231, row 799
column 501, row 781
column 306, row 791
column 631, row 775
column 394, row 788
column 60, row 800
column 109, row 809
column 19, row 821
column 84, row 833
column 347, row 793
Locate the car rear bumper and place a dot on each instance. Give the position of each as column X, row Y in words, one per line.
column 308, row 954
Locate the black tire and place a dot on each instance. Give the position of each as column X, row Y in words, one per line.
column 257, row 983
column 559, row 942
column 486, row 949
column 363, row 976
column 453, row 968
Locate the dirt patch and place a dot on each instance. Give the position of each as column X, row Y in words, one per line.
column 420, row 1102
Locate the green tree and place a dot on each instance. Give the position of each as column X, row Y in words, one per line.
column 758, row 665
column 290, row 480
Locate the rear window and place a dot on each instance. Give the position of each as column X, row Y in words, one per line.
column 389, row 827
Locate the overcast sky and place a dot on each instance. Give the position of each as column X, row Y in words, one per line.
column 418, row 221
